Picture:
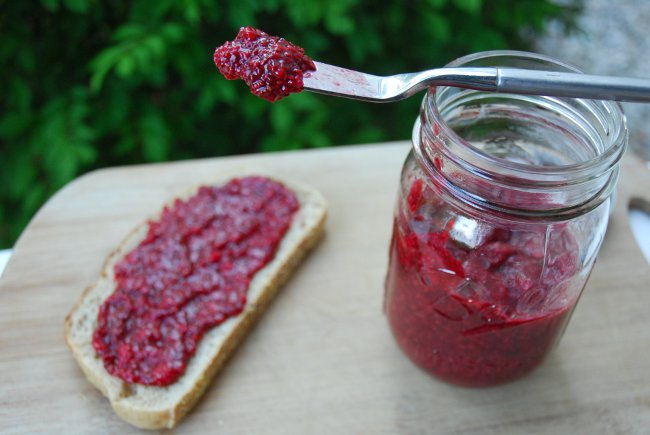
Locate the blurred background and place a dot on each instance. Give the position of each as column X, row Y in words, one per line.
column 90, row 83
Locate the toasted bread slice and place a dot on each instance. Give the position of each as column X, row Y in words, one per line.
column 152, row 407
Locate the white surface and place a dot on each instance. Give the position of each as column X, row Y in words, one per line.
column 4, row 257
column 640, row 223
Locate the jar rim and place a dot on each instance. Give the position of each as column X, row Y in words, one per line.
column 537, row 174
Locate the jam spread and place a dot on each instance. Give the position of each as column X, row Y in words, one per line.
column 476, row 315
column 189, row 274
column 271, row 66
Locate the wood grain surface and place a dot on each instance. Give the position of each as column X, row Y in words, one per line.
column 321, row 360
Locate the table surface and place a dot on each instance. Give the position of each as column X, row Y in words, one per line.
column 322, row 359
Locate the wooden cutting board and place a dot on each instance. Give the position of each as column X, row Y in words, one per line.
column 321, row 360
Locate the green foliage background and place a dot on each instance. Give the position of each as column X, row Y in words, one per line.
column 93, row 83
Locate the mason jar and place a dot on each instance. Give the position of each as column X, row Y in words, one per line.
column 502, row 207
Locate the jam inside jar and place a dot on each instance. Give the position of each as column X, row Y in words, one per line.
column 502, row 207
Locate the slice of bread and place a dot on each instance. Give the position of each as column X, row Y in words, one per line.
column 152, row 407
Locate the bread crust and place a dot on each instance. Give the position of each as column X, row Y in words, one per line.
column 132, row 402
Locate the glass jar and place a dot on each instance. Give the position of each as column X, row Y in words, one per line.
column 502, row 207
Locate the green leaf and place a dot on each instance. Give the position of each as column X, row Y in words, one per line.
column 14, row 124
column 339, row 24
column 138, row 51
column 20, row 95
column 270, row 5
column 63, row 138
column 369, row 134
column 191, row 11
column 78, row 6
column 282, row 117
column 490, row 41
column 252, row 107
column 470, row 6
column 279, row 143
column 66, row 166
column 306, row 13
column 34, row 197
column 319, row 140
column 395, row 18
column 128, row 31
column 338, row 19
column 306, row 101
column 151, row 11
column 438, row 4
column 155, row 44
column 363, row 43
column 86, row 153
column 23, row 175
column 50, row 5
column 154, row 135
column 239, row 16
column 125, row 65
column 101, row 65
column 215, row 89
column 438, row 27
column 125, row 146
column 26, row 60
column 173, row 32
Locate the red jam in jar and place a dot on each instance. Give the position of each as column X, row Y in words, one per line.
column 190, row 274
column 469, row 314
column 502, row 207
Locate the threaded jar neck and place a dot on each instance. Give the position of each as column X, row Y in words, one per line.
column 530, row 156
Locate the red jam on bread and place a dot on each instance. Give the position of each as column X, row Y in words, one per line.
column 189, row 274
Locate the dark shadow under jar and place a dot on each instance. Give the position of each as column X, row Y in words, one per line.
column 502, row 207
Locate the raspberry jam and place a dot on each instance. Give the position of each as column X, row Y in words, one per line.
column 479, row 315
column 271, row 66
column 502, row 207
column 189, row 274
